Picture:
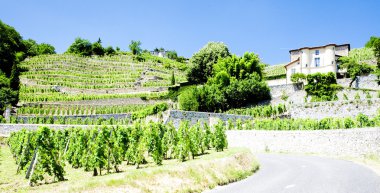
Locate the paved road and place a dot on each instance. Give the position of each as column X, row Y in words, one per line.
column 305, row 174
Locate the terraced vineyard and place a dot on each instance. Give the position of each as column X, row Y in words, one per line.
column 275, row 71
column 65, row 77
column 54, row 110
column 363, row 55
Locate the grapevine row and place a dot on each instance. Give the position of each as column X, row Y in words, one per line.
column 46, row 151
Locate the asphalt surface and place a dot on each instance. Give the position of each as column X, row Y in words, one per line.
column 305, row 174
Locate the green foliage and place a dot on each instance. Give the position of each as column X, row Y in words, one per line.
column 35, row 49
column 260, row 111
column 105, row 148
column 220, row 140
column 135, row 47
column 188, row 100
column 354, row 69
column 322, row 87
column 173, row 79
column 97, row 49
column 357, row 96
column 374, row 43
column 159, row 107
column 236, row 82
column 183, row 144
column 10, row 44
column 240, row 67
column 275, row 72
column 359, row 121
column 81, row 47
column 172, row 55
column 7, row 95
column 298, row 77
column 202, row 62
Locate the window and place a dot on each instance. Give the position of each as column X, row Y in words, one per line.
column 293, row 71
column 317, row 62
column 306, row 65
column 317, row 52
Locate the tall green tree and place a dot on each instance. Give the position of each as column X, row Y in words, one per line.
column 354, row 68
column 135, row 47
column 202, row 62
column 374, row 43
column 45, row 48
column 80, row 46
column 10, row 44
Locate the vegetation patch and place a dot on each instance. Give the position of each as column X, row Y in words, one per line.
column 360, row 121
column 204, row 172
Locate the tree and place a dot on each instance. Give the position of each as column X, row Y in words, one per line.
column 10, row 44
column 31, row 47
column 97, row 48
column 35, row 49
column 240, row 67
column 45, row 48
column 173, row 78
column 188, row 100
column 354, row 69
column 80, row 46
column 110, row 51
column 135, row 47
column 202, row 62
column 172, row 55
column 14, row 80
column 7, row 95
column 374, row 43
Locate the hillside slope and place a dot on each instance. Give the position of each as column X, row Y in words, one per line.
column 65, row 77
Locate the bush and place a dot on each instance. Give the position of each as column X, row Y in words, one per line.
column 298, row 77
column 188, row 100
column 322, row 87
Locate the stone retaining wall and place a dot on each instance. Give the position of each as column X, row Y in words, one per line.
column 364, row 82
column 320, row 110
column 350, row 142
column 193, row 117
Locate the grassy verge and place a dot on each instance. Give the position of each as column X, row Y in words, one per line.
column 205, row 172
column 370, row 161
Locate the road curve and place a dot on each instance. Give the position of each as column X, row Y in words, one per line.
column 305, row 174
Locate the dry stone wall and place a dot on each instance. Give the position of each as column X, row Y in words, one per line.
column 320, row 110
column 193, row 117
column 350, row 142
column 364, row 82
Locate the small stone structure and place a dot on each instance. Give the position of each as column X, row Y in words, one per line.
column 341, row 142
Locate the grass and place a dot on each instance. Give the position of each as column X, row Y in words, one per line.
column 205, row 172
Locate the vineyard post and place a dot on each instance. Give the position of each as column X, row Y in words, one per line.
column 32, row 165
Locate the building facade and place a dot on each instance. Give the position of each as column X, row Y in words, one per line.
column 309, row 60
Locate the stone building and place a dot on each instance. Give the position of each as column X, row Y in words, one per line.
column 309, row 60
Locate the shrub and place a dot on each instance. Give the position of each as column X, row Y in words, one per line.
column 188, row 100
